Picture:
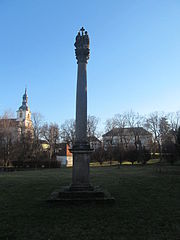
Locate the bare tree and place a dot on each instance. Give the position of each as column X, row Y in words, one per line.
column 152, row 125
column 6, row 137
column 51, row 134
column 158, row 125
column 174, row 121
column 92, row 123
column 37, row 121
column 110, row 126
column 121, row 121
column 68, row 128
column 98, row 155
column 24, row 146
column 164, row 129
column 115, row 126
column 135, row 121
column 67, row 131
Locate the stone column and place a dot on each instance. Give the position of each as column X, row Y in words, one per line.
column 81, row 189
column 81, row 149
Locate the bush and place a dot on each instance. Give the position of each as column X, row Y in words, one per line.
column 98, row 155
column 170, row 152
column 144, row 155
column 36, row 164
column 118, row 154
column 131, row 155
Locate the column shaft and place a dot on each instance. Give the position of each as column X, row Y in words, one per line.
column 81, row 104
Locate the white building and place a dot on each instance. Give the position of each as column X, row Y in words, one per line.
column 21, row 124
column 128, row 137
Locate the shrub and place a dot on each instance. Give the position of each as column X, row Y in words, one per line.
column 170, row 152
column 36, row 164
column 98, row 155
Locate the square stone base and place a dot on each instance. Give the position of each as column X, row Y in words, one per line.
column 66, row 195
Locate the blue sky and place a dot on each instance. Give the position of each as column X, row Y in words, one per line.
column 134, row 59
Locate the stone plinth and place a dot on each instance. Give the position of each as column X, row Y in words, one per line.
column 80, row 174
column 66, row 195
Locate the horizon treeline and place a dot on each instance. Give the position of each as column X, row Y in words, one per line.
column 164, row 127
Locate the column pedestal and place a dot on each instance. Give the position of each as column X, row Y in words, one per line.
column 80, row 173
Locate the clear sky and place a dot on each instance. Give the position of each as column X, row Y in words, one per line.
column 134, row 60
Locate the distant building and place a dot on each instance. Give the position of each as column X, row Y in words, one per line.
column 128, row 137
column 44, row 144
column 22, row 124
column 64, row 155
column 94, row 142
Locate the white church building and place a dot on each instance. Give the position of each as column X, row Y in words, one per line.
column 21, row 124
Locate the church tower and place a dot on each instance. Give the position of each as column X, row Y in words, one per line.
column 23, row 113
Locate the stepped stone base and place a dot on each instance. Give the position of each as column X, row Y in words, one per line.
column 66, row 195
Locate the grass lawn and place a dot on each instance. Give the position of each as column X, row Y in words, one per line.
column 147, row 205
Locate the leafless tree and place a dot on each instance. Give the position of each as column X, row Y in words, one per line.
column 24, row 146
column 98, row 155
column 92, row 124
column 68, row 128
column 174, row 121
column 152, row 125
column 164, row 128
column 37, row 120
column 110, row 125
column 158, row 125
column 67, row 131
column 121, row 121
column 50, row 132
column 134, row 122
column 6, row 137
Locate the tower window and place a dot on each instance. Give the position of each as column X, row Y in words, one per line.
column 20, row 114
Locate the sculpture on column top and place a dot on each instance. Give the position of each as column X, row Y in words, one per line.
column 82, row 46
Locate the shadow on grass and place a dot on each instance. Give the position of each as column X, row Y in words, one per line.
column 147, row 205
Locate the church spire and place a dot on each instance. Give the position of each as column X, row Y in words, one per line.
column 24, row 113
column 25, row 101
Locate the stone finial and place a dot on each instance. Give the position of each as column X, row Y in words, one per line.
column 82, row 46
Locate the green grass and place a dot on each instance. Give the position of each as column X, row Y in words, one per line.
column 147, row 205
column 115, row 163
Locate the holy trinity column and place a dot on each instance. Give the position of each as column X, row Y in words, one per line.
column 81, row 148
